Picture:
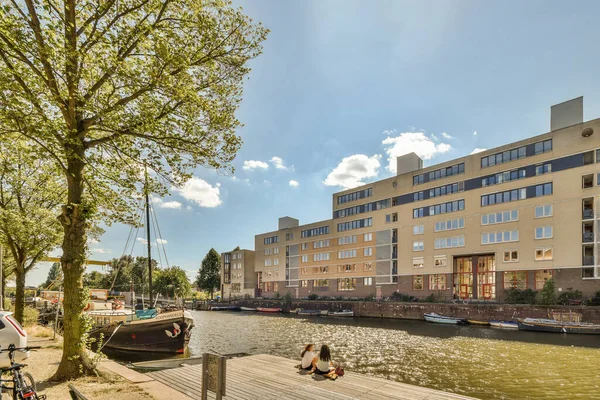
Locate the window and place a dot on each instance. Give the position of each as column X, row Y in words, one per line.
column 543, row 232
column 449, row 242
column 347, row 268
column 418, row 229
column 447, row 207
column 587, row 181
column 543, row 211
column 367, row 266
column 321, row 283
column 321, row 270
column 511, row 256
column 543, row 254
column 503, row 157
column 305, row 258
column 368, row 237
column 418, row 262
column 451, row 224
column 289, row 236
column 267, row 252
column 437, row 282
column 347, row 240
column 275, row 261
column 505, row 176
column 321, row 243
column 542, row 169
column 346, row 284
column 359, row 223
column 323, row 230
column 271, row 240
column 418, row 246
column 367, row 281
column 389, row 218
column 588, row 158
column 515, row 280
column 275, row 250
column 499, row 237
column 543, row 147
column 439, row 261
column 439, row 174
column 304, row 283
column 347, row 253
column 417, row 282
column 541, row 276
column 500, row 217
column 543, row 189
column 268, row 262
column 321, row 257
column 368, row 251
column 303, row 271
column 304, row 246
column 361, row 194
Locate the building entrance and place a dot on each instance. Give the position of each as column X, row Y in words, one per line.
column 475, row 277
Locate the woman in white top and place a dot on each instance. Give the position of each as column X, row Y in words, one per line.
column 308, row 357
column 323, row 364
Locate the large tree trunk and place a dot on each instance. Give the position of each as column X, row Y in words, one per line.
column 20, row 295
column 75, row 361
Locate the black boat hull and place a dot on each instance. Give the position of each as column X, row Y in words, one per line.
column 157, row 335
column 579, row 329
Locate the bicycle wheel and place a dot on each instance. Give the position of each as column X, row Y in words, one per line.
column 27, row 382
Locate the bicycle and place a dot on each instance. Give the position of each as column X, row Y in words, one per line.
column 23, row 387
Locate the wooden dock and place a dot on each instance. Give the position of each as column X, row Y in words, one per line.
column 269, row 377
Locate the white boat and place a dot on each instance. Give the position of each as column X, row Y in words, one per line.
column 247, row 309
column 324, row 312
column 442, row 319
column 343, row 313
column 504, row 324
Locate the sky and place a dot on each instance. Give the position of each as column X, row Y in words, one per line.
column 343, row 87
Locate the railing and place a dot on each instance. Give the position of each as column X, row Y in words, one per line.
column 588, row 260
column 588, row 213
column 394, row 255
column 588, row 237
column 394, row 239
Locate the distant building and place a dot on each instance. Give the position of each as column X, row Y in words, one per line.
column 238, row 278
column 470, row 228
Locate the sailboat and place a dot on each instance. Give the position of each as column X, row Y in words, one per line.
column 148, row 330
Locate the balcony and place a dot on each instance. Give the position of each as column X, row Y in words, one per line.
column 394, row 239
column 588, row 237
column 394, row 255
column 588, row 213
column 588, row 260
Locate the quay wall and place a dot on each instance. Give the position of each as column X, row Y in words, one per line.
column 394, row 310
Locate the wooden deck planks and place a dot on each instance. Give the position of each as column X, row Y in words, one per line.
column 268, row 377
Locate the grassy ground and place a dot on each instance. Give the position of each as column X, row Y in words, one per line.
column 43, row 363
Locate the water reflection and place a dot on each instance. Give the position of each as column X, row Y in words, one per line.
column 477, row 361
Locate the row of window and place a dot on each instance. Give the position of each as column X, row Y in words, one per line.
column 544, row 189
column 269, row 262
column 541, row 254
column 359, row 223
column 361, row 194
column 440, row 191
column 451, row 224
column 367, row 266
column 271, row 250
column 236, row 256
column 271, row 240
column 320, row 244
column 343, row 284
column 363, row 208
column 451, row 206
column 500, row 217
column 347, row 253
column 449, row 242
column 323, row 230
column 500, row 237
column 439, row 174
column 515, row 154
column 502, row 177
column 438, row 261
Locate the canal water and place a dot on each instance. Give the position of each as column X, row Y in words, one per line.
column 477, row 361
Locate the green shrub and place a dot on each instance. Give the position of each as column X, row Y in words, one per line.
column 287, row 298
column 370, row 297
column 595, row 300
column 518, row 296
column 570, row 294
column 397, row 296
column 30, row 316
column 276, row 295
column 313, row 296
column 430, row 299
column 547, row 296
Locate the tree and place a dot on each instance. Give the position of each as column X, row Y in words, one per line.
column 172, row 282
column 108, row 88
column 53, row 274
column 547, row 296
column 30, row 194
column 209, row 275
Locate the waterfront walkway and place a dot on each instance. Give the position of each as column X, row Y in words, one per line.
column 269, row 377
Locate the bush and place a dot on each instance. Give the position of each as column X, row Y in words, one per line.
column 569, row 295
column 595, row 300
column 313, row 296
column 547, row 296
column 370, row 297
column 518, row 296
column 430, row 299
column 288, row 297
column 30, row 316
column 397, row 296
column 276, row 295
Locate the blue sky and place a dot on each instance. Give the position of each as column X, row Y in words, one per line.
column 345, row 84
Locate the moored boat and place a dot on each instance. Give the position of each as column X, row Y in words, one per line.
column 324, row 312
column 301, row 311
column 442, row 319
column 247, row 309
column 343, row 313
column 268, row 309
column 550, row 325
column 225, row 308
column 477, row 322
column 504, row 324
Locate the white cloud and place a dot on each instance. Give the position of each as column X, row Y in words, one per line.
column 477, row 150
column 446, row 136
column 171, row 204
column 353, row 170
column 161, row 241
column 294, row 183
column 475, row 133
column 278, row 163
column 408, row 142
column 201, row 192
column 101, row 251
column 235, row 179
column 142, row 240
column 145, row 242
column 251, row 165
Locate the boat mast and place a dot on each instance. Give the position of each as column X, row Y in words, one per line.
column 148, row 237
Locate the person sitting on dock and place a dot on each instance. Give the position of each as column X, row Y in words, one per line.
column 323, row 365
column 308, row 356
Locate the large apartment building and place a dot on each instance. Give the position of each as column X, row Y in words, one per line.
column 238, row 278
column 509, row 217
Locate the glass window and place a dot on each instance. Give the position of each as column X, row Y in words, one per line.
column 417, row 282
column 543, row 253
column 437, row 282
column 515, row 280
column 418, row 246
column 541, row 276
column 418, row 229
column 511, row 256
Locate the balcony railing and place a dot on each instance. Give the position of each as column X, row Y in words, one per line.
column 588, row 213
column 588, row 237
column 394, row 239
column 394, row 255
column 588, row 260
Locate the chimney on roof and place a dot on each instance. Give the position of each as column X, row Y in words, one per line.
column 288, row 222
column 566, row 114
column 408, row 163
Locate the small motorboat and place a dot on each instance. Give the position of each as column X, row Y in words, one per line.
column 343, row 313
column 477, row 322
column 310, row 313
column 225, row 308
column 442, row 319
column 324, row 312
column 268, row 309
column 551, row 325
column 247, row 309
column 504, row 324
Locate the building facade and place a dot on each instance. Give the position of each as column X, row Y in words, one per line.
column 238, row 278
column 470, row 228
